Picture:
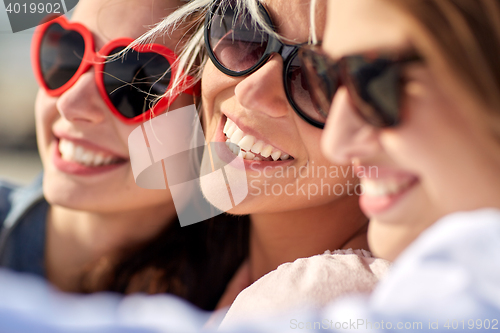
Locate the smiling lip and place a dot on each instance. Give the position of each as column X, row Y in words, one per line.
column 383, row 191
column 75, row 168
column 89, row 145
column 226, row 155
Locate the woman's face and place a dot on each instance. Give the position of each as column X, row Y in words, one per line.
column 287, row 170
column 80, row 117
column 442, row 158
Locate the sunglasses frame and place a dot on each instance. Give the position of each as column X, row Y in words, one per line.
column 97, row 60
column 343, row 78
column 287, row 52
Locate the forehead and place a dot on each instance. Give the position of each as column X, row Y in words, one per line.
column 292, row 17
column 111, row 19
column 355, row 26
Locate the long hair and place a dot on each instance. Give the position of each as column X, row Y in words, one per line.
column 467, row 35
column 195, row 262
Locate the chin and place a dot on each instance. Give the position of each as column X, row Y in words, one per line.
column 384, row 242
column 387, row 239
column 59, row 191
column 67, row 196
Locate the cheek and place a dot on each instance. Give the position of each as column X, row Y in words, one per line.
column 213, row 83
column 326, row 172
column 123, row 131
column 217, row 90
column 311, row 139
column 432, row 142
column 427, row 130
column 45, row 115
column 209, row 87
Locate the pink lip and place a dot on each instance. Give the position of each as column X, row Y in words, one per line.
column 226, row 155
column 376, row 205
column 248, row 130
column 74, row 168
column 89, row 145
column 373, row 205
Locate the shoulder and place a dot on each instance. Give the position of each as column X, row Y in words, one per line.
column 6, row 190
column 454, row 264
column 336, row 272
column 15, row 200
column 309, row 282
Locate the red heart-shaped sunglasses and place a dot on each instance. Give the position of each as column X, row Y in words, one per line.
column 133, row 86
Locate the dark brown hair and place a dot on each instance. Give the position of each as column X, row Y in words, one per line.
column 194, row 262
column 467, row 34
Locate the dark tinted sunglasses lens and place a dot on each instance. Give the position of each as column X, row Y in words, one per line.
column 61, row 53
column 305, row 92
column 322, row 77
column 134, row 83
column 237, row 43
column 375, row 89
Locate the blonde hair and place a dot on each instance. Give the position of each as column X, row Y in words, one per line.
column 191, row 16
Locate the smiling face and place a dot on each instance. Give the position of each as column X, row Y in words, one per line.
column 441, row 158
column 285, row 168
column 83, row 146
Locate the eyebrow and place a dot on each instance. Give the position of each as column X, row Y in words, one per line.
column 407, row 50
column 278, row 30
column 273, row 19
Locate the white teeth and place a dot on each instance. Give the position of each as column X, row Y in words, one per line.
column 237, row 136
column 98, row 159
column 257, row 147
column 392, row 187
column 234, row 148
column 249, row 156
column 88, row 158
column 231, row 130
column 67, row 149
column 382, row 187
column 247, row 142
column 275, row 155
column 79, row 151
column 229, row 123
column 266, row 152
column 74, row 153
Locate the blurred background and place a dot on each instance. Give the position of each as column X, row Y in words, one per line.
column 19, row 159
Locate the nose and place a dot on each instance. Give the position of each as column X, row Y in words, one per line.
column 263, row 90
column 346, row 135
column 82, row 101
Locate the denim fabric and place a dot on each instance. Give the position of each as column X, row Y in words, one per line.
column 23, row 212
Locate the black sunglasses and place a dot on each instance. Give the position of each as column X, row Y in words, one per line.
column 238, row 46
column 374, row 83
